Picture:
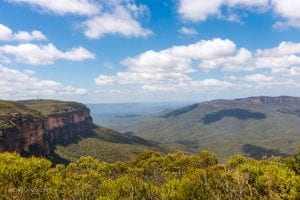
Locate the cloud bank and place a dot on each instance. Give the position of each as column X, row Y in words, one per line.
column 285, row 11
column 14, row 83
column 173, row 69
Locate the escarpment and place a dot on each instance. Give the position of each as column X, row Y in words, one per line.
column 32, row 130
column 64, row 127
column 259, row 100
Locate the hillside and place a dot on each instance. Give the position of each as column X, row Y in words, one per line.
column 254, row 126
column 106, row 145
column 62, row 131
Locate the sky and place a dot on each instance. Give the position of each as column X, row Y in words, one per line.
column 113, row 51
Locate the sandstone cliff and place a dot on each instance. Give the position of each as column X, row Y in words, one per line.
column 32, row 133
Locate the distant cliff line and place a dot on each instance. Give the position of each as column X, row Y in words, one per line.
column 258, row 100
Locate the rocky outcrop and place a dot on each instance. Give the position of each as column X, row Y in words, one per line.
column 37, row 135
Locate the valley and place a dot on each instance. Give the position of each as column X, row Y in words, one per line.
column 254, row 126
column 52, row 149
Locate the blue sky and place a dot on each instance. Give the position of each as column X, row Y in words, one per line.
column 148, row 50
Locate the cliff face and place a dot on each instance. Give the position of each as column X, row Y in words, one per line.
column 62, row 128
column 22, row 133
column 36, row 135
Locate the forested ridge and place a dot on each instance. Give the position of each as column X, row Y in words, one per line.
column 151, row 175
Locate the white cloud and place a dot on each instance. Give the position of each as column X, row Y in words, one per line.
column 285, row 56
column 77, row 54
column 169, row 69
column 288, row 10
column 25, row 36
column 158, row 62
column 13, row 83
column 289, row 72
column 172, row 69
column 120, row 21
column 124, row 78
column 205, row 49
column 199, row 10
column 63, row 7
column 258, row 78
column 6, row 34
column 187, row 31
column 118, row 17
column 271, row 62
column 284, row 48
column 43, row 54
column 240, row 61
column 191, row 86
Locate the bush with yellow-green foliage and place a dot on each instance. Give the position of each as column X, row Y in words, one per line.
column 151, row 176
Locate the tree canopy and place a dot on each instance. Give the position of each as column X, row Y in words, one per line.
column 151, row 176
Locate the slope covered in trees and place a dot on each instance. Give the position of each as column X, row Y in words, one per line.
column 254, row 126
column 151, row 176
column 106, row 145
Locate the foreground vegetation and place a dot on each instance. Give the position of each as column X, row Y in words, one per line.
column 151, row 175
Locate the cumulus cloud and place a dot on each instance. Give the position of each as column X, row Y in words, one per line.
column 262, row 81
column 199, row 10
column 118, row 17
column 169, row 69
column 284, row 48
column 42, row 54
column 13, row 83
column 120, row 21
column 286, row 11
column 63, row 7
column 6, row 34
column 196, row 10
column 240, row 61
column 172, row 69
column 285, row 56
column 187, row 31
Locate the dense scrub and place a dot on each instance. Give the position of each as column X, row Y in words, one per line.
column 151, row 176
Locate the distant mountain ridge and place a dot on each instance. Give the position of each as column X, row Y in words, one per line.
column 253, row 126
column 258, row 100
